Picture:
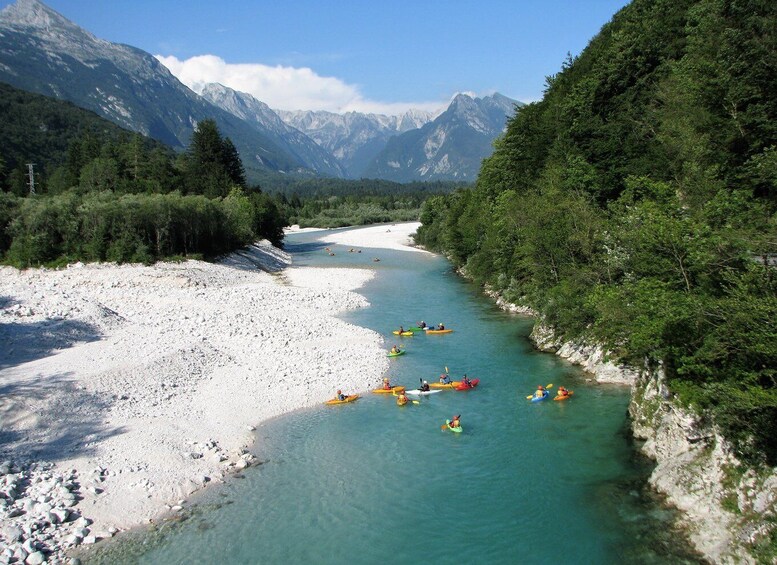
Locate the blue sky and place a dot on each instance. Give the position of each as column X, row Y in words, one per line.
column 353, row 55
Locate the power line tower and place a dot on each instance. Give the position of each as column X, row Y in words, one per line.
column 31, row 175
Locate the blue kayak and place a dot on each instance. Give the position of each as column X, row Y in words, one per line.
column 545, row 394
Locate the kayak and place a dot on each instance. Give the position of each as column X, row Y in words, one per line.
column 571, row 392
column 472, row 384
column 418, row 392
column 445, row 385
column 405, row 333
column 397, row 354
column 391, row 390
column 348, row 399
column 438, row 331
column 457, row 430
column 539, row 398
column 415, row 329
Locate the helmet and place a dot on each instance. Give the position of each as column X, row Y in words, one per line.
column 385, row 379
column 540, row 387
column 426, row 383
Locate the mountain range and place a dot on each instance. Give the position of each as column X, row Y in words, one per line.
column 43, row 52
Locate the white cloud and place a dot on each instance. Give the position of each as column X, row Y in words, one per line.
column 283, row 88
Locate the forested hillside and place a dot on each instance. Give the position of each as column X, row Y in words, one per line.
column 634, row 205
column 333, row 203
column 103, row 193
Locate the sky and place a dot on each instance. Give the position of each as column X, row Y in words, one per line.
column 353, row 55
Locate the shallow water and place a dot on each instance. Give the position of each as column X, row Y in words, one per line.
column 370, row 482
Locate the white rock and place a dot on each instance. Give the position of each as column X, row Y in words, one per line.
column 35, row 558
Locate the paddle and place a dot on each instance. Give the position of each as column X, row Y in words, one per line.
column 532, row 396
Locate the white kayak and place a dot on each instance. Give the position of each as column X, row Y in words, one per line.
column 417, row 392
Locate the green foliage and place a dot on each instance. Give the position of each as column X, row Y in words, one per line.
column 635, row 205
column 212, row 166
column 104, row 194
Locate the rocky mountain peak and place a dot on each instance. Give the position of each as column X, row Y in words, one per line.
column 34, row 16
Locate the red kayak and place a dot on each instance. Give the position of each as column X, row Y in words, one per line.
column 472, row 384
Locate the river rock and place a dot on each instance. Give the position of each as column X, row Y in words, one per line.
column 11, row 533
column 35, row 558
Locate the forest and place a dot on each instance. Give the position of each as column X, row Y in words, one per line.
column 334, row 203
column 634, row 206
column 104, row 194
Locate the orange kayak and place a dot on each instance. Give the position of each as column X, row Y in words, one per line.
column 571, row 392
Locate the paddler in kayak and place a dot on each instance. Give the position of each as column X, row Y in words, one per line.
column 424, row 386
column 340, row 395
column 562, row 391
column 394, row 349
column 540, row 391
column 441, row 326
column 386, row 384
column 465, row 381
column 422, row 325
column 455, row 422
column 445, row 379
column 402, row 398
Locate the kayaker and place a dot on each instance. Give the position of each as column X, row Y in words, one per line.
column 401, row 330
column 562, row 391
column 442, row 326
column 402, row 398
column 386, row 385
column 466, row 381
column 444, row 379
column 425, row 386
column 394, row 349
column 455, row 422
column 340, row 395
column 422, row 325
column 540, row 391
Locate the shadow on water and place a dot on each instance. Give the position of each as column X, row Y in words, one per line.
column 302, row 248
column 47, row 416
column 27, row 342
column 650, row 525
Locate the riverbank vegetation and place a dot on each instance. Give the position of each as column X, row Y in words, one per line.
column 334, row 203
column 634, row 206
column 104, row 194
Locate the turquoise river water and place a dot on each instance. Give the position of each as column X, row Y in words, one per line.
column 371, row 482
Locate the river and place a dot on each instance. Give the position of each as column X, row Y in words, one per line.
column 371, row 482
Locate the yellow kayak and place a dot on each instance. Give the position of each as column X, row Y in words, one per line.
column 438, row 331
column 453, row 384
column 391, row 390
column 348, row 399
column 397, row 332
